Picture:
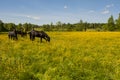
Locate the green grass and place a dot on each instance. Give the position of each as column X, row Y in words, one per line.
column 69, row 56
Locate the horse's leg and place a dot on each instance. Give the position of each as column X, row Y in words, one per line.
column 30, row 37
column 33, row 38
column 41, row 39
column 9, row 36
column 16, row 38
column 22, row 34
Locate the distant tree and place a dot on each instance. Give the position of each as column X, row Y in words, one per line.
column 6, row 27
column 19, row 26
column 118, row 23
column 1, row 25
column 51, row 25
column 85, row 26
column 25, row 26
column 46, row 27
column 11, row 26
column 59, row 25
column 1, row 21
column 105, row 27
column 28, row 26
column 70, row 27
column 111, row 24
column 2, row 28
column 80, row 26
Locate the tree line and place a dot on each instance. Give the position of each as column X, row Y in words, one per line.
column 111, row 25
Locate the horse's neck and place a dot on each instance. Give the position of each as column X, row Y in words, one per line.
column 15, row 31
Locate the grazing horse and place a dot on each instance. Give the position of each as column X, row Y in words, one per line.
column 22, row 33
column 13, row 34
column 40, row 34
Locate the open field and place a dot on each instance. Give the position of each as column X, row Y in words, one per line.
column 69, row 56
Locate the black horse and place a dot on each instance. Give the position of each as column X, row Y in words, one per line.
column 40, row 34
column 13, row 34
column 21, row 33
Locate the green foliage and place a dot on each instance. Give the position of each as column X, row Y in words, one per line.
column 118, row 23
column 2, row 28
column 111, row 24
column 27, row 26
column 80, row 26
column 47, row 27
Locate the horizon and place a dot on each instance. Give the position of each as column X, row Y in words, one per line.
column 51, row 11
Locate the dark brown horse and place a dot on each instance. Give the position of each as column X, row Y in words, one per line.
column 40, row 34
column 13, row 34
column 20, row 32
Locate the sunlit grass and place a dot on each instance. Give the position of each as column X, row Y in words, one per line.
column 69, row 56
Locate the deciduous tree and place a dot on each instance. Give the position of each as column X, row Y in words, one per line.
column 111, row 24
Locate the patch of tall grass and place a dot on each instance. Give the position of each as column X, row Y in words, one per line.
column 69, row 56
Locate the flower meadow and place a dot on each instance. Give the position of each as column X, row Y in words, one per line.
column 69, row 56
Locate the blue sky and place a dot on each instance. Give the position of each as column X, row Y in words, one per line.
column 67, row 11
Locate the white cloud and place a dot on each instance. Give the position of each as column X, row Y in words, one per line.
column 107, row 9
column 33, row 17
column 26, row 16
column 111, row 5
column 91, row 11
column 106, row 12
column 65, row 7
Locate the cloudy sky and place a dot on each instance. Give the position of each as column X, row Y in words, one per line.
column 46, row 11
